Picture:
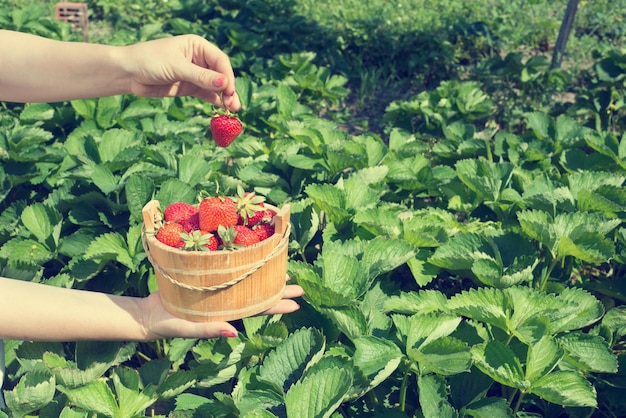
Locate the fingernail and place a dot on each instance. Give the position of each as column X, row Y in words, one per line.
column 229, row 334
column 218, row 82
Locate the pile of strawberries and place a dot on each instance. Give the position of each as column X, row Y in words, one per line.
column 217, row 223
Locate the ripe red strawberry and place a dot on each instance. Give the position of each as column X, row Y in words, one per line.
column 216, row 211
column 263, row 231
column 192, row 223
column 225, row 128
column 245, row 236
column 170, row 234
column 178, row 211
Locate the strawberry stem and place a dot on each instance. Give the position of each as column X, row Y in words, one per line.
column 224, row 105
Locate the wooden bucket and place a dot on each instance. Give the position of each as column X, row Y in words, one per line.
column 223, row 285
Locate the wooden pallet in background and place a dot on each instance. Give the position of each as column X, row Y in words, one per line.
column 75, row 14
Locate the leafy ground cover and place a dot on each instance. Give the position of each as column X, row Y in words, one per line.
column 457, row 210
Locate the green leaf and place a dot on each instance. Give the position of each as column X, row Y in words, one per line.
column 330, row 200
column 67, row 412
column 307, row 162
column 486, row 305
column 423, row 272
column 566, row 388
column 542, row 358
column 378, row 358
column 154, row 372
column 192, row 170
column 486, row 178
column 588, row 352
column 344, row 274
column 111, row 247
column 305, row 222
column 316, row 291
column 34, row 112
column 579, row 234
column 132, row 401
column 350, row 319
column 319, row 393
column 107, row 109
column 139, row 190
column 380, row 221
column 27, row 251
column 383, row 255
column 444, row 356
column 423, row 301
column 359, row 190
column 578, row 309
column 42, row 221
column 103, row 178
column 32, row 392
column 433, row 397
column 500, row 363
column 544, row 194
column 86, row 108
column 176, row 383
column 615, row 320
column 138, row 109
column 420, row 330
column 286, row 100
column 606, row 143
column 175, row 191
column 286, row 363
column 541, row 124
column 68, row 375
column 115, row 141
column 488, row 408
column 95, row 396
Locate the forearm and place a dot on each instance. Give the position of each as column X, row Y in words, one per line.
column 36, row 312
column 35, row 69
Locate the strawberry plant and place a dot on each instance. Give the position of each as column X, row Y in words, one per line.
column 465, row 260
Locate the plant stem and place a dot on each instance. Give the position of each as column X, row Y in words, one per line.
column 546, row 276
column 143, row 356
column 403, row 389
column 518, row 403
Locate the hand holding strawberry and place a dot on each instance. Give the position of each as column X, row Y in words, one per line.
column 225, row 127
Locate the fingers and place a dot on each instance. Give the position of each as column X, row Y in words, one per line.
column 293, row 291
column 210, row 69
column 285, row 306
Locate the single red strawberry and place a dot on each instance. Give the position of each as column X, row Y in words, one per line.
column 263, row 231
column 225, row 128
column 170, row 234
column 192, row 223
column 216, row 211
column 178, row 211
column 245, row 236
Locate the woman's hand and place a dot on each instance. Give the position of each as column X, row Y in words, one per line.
column 37, row 69
column 186, row 65
column 159, row 323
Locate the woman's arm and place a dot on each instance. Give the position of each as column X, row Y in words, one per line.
column 37, row 312
column 36, row 69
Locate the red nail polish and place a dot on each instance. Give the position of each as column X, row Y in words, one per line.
column 229, row 334
column 218, row 82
